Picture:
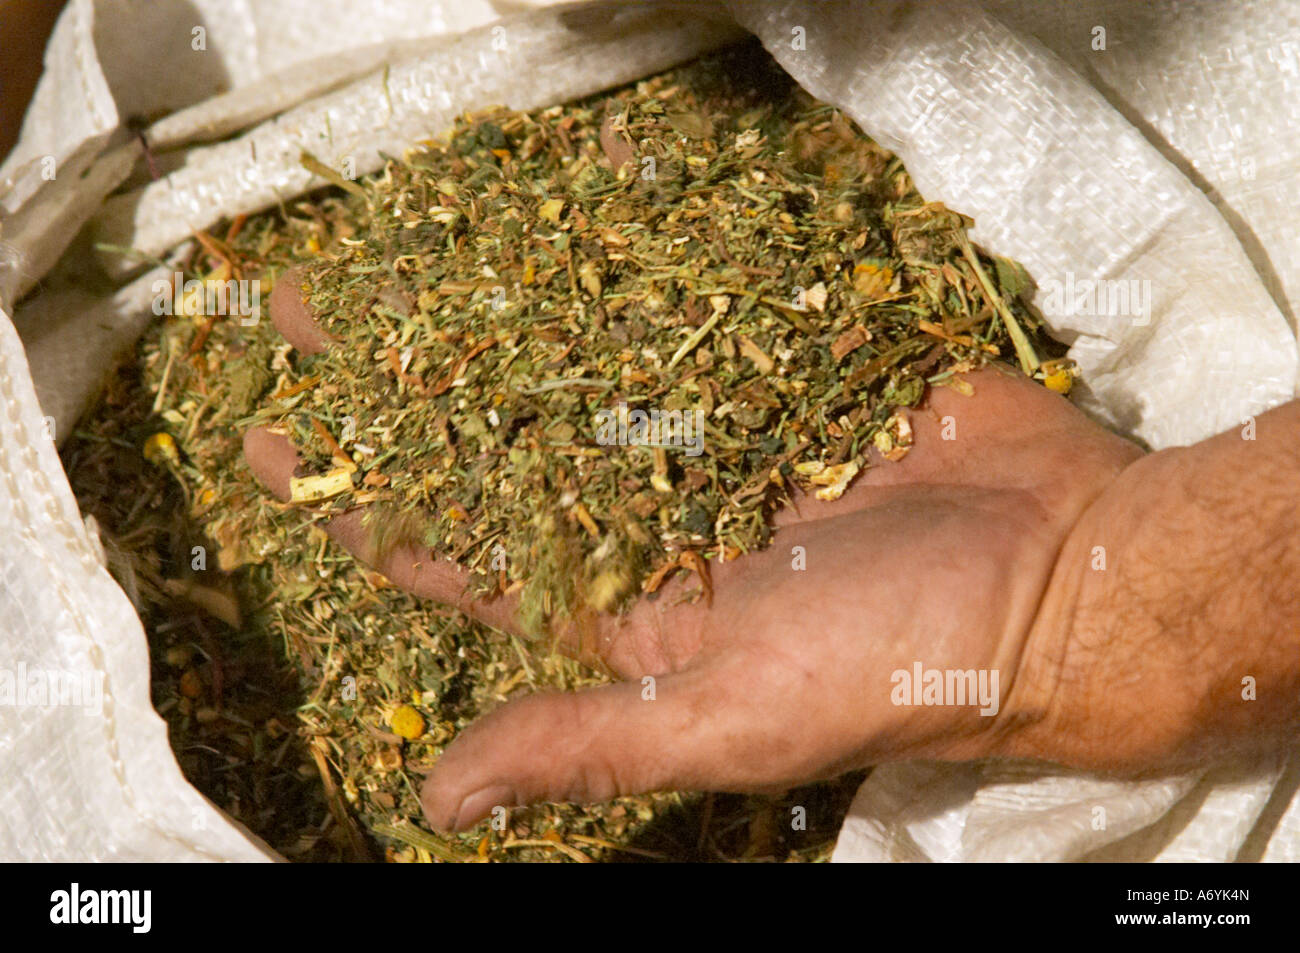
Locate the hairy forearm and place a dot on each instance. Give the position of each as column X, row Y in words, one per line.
column 1170, row 634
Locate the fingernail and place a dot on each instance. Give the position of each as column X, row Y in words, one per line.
column 481, row 803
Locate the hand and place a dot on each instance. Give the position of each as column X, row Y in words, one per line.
column 943, row 558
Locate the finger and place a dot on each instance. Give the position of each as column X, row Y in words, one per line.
column 273, row 459
column 291, row 316
column 588, row 746
column 654, row 638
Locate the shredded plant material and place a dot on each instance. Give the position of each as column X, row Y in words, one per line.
column 710, row 248
column 569, row 347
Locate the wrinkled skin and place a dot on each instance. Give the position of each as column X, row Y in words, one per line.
column 948, row 558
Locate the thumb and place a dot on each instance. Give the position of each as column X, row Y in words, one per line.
column 588, row 746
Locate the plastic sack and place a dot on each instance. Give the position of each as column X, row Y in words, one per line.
column 1155, row 163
